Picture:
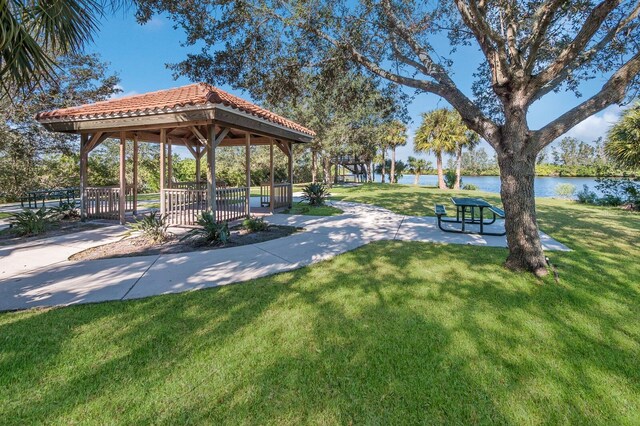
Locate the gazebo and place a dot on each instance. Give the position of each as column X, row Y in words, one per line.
column 199, row 117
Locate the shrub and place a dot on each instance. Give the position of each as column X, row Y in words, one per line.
column 152, row 226
column 470, row 187
column 66, row 211
column 315, row 194
column 29, row 222
column 209, row 231
column 619, row 191
column 450, row 178
column 587, row 196
column 565, row 190
column 255, row 224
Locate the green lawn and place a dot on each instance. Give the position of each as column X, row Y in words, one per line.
column 5, row 215
column 391, row 333
column 308, row 210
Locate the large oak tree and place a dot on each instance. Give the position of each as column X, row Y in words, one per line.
column 530, row 48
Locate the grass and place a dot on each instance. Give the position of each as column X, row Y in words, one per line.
column 306, row 209
column 5, row 215
column 389, row 333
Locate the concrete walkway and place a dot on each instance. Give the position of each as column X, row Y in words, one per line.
column 38, row 273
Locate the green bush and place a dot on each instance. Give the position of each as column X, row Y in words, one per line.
column 66, row 211
column 209, row 231
column 470, row 187
column 450, row 178
column 315, row 193
column 153, row 227
column 30, row 222
column 565, row 190
column 587, row 196
column 255, row 224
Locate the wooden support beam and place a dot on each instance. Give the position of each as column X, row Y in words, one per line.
column 247, row 159
column 123, row 178
column 283, row 147
column 198, row 157
column 211, row 170
column 163, row 139
column 135, row 175
column 169, row 164
column 84, row 157
column 290, row 164
column 223, row 134
column 271, row 177
column 96, row 140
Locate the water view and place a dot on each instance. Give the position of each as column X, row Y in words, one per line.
column 544, row 185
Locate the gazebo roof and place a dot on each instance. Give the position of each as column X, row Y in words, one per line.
column 196, row 96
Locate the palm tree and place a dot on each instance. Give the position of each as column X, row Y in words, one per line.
column 394, row 135
column 623, row 139
column 439, row 132
column 470, row 141
column 35, row 32
column 417, row 166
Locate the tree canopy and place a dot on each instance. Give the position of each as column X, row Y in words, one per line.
column 623, row 139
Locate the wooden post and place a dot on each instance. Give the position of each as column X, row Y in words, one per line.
column 247, row 160
column 290, row 158
column 84, row 157
column 211, row 169
column 123, row 178
column 169, row 165
column 163, row 140
column 198, row 150
column 271, row 176
column 135, row 174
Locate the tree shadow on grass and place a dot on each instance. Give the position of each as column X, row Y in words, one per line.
column 392, row 332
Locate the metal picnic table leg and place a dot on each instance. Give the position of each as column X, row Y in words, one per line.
column 481, row 220
column 463, row 211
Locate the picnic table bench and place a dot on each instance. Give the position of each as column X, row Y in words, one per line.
column 464, row 205
column 62, row 194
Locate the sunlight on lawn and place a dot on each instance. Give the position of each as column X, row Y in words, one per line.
column 392, row 330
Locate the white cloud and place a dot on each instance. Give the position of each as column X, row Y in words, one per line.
column 595, row 126
column 122, row 92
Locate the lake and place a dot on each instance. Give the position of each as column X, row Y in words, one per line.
column 544, row 186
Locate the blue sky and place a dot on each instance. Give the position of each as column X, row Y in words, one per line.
column 138, row 54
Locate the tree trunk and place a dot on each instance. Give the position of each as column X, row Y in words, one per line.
column 517, row 173
column 392, row 173
column 327, row 171
column 314, row 171
column 456, row 185
column 384, row 168
column 416, row 178
column 441, row 183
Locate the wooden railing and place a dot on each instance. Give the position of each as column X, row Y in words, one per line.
column 184, row 206
column 231, row 204
column 103, row 202
column 189, row 185
column 281, row 195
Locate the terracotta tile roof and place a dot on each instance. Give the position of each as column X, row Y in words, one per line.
column 198, row 94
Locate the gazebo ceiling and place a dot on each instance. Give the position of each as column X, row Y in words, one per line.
column 178, row 109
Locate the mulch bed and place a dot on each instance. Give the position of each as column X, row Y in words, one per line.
column 63, row 227
column 140, row 246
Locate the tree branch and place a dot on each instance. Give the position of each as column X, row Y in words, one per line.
column 613, row 91
column 593, row 23
column 539, row 92
column 541, row 21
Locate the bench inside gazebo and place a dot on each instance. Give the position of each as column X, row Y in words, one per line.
column 199, row 117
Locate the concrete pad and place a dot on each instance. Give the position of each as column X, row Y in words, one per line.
column 73, row 282
column 32, row 255
column 177, row 273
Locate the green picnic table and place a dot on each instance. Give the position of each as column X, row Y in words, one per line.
column 471, row 206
